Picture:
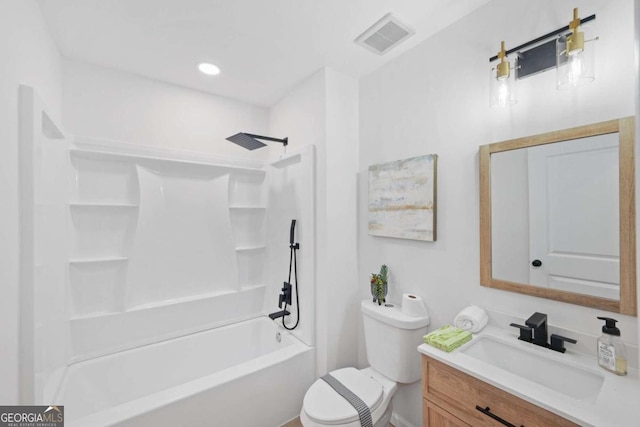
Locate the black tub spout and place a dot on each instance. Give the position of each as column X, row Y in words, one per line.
column 277, row 314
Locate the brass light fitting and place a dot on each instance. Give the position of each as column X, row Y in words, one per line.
column 503, row 68
column 575, row 41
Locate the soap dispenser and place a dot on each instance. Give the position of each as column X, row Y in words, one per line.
column 611, row 351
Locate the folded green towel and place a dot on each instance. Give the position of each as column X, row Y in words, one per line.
column 447, row 338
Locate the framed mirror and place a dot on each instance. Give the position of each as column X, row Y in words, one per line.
column 557, row 216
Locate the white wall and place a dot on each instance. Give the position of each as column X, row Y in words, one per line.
column 435, row 99
column 105, row 103
column 339, row 278
column 301, row 116
column 27, row 56
column 323, row 110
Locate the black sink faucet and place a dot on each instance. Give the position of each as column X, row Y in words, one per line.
column 535, row 332
column 538, row 322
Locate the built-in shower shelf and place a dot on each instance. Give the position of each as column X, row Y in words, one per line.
column 250, row 248
column 95, row 315
column 286, row 161
column 97, row 260
column 258, row 208
column 102, row 205
column 251, row 287
column 97, row 153
column 182, row 300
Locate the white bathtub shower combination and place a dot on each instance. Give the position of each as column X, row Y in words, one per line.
column 234, row 375
column 147, row 277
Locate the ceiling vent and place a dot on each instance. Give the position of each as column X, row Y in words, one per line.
column 384, row 35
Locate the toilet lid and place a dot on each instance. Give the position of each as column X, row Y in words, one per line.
column 324, row 405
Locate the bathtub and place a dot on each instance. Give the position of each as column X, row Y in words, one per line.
column 253, row 373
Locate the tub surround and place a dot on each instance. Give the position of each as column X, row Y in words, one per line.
column 135, row 254
column 154, row 235
column 614, row 404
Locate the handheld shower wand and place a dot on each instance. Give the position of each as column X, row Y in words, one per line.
column 285, row 296
column 292, row 231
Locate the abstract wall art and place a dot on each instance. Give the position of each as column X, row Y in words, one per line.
column 402, row 198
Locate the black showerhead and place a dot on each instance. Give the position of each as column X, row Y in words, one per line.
column 250, row 141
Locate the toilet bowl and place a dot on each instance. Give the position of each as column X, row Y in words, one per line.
column 391, row 339
column 323, row 406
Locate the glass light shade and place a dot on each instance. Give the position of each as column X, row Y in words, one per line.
column 575, row 68
column 502, row 90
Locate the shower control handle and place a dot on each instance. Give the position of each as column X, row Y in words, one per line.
column 285, row 296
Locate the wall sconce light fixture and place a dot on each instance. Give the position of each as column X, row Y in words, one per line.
column 574, row 62
column 563, row 49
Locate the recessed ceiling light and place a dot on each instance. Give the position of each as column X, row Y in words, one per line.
column 208, row 69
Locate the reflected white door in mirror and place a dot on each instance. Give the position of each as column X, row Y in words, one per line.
column 557, row 216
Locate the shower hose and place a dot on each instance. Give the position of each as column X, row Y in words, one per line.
column 293, row 263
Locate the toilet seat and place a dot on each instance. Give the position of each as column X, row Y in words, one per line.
column 323, row 405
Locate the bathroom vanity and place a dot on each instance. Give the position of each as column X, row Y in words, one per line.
column 496, row 380
column 453, row 398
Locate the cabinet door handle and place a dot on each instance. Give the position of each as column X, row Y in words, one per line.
column 487, row 412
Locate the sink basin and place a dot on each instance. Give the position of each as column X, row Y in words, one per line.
column 570, row 380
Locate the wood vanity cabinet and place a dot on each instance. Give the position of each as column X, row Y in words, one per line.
column 452, row 398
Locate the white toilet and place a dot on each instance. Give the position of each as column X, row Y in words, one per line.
column 391, row 338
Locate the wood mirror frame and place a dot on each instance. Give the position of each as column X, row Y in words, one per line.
column 627, row 303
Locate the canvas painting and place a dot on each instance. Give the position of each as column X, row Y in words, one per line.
column 402, row 198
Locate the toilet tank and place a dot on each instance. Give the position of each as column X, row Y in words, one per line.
column 392, row 338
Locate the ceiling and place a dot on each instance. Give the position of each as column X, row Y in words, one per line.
column 263, row 47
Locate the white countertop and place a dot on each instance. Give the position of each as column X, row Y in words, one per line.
column 617, row 404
